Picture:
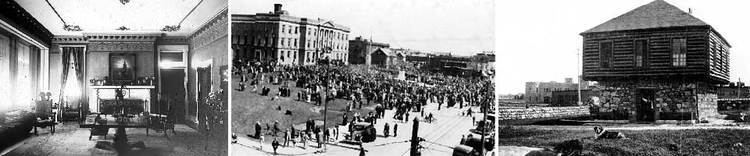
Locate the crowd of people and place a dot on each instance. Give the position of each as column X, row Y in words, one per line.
column 363, row 86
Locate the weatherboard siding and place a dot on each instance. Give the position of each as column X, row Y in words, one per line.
column 659, row 53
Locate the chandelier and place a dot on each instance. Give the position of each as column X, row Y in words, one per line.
column 124, row 1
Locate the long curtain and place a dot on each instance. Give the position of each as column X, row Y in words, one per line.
column 65, row 68
column 71, row 56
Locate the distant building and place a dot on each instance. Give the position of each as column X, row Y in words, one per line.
column 569, row 97
column 541, row 92
column 483, row 62
column 383, row 57
column 449, row 65
column 733, row 96
column 284, row 39
column 657, row 62
column 360, row 50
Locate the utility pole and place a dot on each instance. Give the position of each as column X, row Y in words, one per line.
column 325, row 115
column 414, row 139
column 578, row 72
column 739, row 80
column 485, row 109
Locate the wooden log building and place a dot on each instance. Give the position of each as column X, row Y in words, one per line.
column 656, row 62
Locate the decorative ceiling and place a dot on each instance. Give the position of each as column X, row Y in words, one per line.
column 114, row 16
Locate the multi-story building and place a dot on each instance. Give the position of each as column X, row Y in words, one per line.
column 657, row 62
column 278, row 37
column 360, row 50
column 541, row 92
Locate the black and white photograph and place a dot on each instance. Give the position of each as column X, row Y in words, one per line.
column 114, row 77
column 623, row 77
column 369, row 77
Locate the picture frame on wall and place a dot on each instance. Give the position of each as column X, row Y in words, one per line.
column 122, row 66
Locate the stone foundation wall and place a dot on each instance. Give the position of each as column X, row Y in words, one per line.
column 541, row 112
column 673, row 100
column 707, row 106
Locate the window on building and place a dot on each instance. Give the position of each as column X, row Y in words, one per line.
column 270, row 42
column 641, row 53
column 283, row 28
column 605, row 54
column 679, row 52
column 282, row 41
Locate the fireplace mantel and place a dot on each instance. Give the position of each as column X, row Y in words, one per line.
column 98, row 94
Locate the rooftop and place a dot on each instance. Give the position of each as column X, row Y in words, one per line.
column 657, row 14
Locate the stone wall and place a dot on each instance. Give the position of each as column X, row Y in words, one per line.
column 673, row 99
column 541, row 112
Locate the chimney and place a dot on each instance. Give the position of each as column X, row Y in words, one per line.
column 277, row 8
column 690, row 11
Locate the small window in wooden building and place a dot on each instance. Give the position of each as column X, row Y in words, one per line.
column 679, row 52
column 641, row 53
column 605, row 54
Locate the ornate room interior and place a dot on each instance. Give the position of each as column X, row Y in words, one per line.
column 112, row 69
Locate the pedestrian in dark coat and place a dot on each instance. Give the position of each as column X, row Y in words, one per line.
column 275, row 145
column 386, row 129
column 395, row 129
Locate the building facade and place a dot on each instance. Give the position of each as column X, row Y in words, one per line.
column 656, row 62
column 541, row 92
column 277, row 37
column 360, row 50
column 484, row 63
column 570, row 97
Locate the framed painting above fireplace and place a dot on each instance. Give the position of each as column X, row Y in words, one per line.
column 122, row 66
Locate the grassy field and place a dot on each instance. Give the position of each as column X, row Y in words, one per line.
column 249, row 107
column 639, row 142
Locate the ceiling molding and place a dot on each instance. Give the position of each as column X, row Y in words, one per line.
column 120, row 37
column 211, row 31
column 173, row 40
column 121, row 46
column 218, row 18
column 69, row 39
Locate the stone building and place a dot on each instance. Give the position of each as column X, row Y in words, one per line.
column 281, row 38
column 656, row 62
column 360, row 50
column 541, row 92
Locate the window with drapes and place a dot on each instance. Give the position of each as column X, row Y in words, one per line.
column 72, row 77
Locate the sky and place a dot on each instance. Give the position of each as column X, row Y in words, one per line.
column 463, row 27
column 539, row 39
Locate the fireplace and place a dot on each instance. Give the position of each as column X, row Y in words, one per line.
column 102, row 98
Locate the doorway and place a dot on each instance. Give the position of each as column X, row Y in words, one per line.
column 173, row 93
column 204, row 88
column 645, row 104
